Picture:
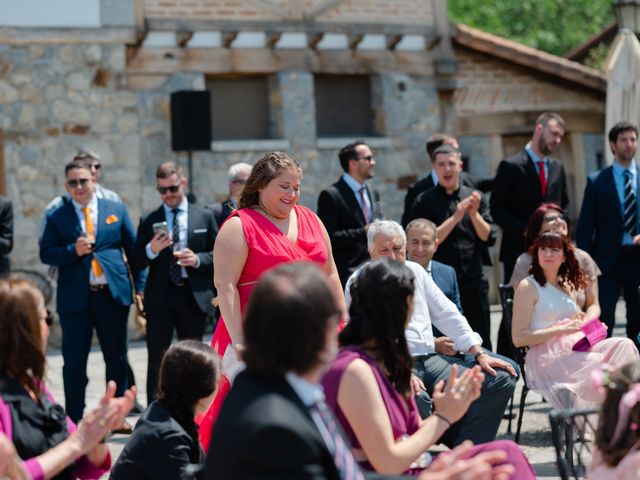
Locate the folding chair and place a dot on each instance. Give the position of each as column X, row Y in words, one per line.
column 506, row 299
column 572, row 431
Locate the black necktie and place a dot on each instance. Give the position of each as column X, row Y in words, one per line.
column 175, row 270
column 630, row 215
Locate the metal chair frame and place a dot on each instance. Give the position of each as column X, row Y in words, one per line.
column 571, row 431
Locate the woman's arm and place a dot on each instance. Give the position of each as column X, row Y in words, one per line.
column 332, row 272
column 591, row 302
column 524, row 302
column 229, row 256
column 361, row 402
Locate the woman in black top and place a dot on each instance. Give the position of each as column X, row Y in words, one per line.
column 165, row 440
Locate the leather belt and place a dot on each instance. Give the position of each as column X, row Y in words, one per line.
column 96, row 287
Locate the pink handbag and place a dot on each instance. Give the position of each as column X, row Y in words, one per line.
column 594, row 331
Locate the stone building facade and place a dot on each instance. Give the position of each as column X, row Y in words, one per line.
column 322, row 73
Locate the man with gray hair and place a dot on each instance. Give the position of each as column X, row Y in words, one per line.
column 237, row 176
column 386, row 238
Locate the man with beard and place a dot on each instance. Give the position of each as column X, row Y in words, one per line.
column 608, row 228
column 523, row 182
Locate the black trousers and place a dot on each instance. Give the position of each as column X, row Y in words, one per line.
column 474, row 297
column 180, row 313
column 625, row 277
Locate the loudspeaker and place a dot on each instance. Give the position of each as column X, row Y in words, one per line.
column 190, row 121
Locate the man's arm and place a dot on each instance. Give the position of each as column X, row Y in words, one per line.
column 327, row 211
column 53, row 250
column 586, row 220
column 6, row 227
column 501, row 197
column 138, row 259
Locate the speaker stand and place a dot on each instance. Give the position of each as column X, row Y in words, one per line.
column 191, row 198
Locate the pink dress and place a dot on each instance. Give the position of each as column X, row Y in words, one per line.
column 553, row 369
column 268, row 248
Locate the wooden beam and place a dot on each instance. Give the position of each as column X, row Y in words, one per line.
column 183, row 38
column 314, row 40
column 196, row 25
column 228, row 38
column 321, row 8
column 521, row 123
column 272, row 39
column 354, row 40
column 168, row 61
column 270, row 7
column 393, row 41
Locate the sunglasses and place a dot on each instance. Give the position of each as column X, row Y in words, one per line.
column 79, row 182
column 172, row 189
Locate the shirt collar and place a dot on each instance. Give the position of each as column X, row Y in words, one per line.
column 309, row 393
column 182, row 207
column 353, row 183
column 428, row 269
column 619, row 169
column 93, row 204
column 533, row 156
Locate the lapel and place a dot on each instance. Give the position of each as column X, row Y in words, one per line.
column 530, row 172
column 71, row 218
column 103, row 213
column 350, row 200
column 190, row 221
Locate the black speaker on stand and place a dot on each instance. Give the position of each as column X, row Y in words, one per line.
column 190, row 126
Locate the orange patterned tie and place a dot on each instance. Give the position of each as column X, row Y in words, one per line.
column 91, row 235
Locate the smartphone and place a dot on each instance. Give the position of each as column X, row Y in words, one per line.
column 161, row 227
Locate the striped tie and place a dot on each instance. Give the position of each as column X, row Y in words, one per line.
column 630, row 215
column 347, row 466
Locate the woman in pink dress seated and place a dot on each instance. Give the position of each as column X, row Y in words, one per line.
column 548, row 320
column 268, row 229
column 617, row 454
column 368, row 385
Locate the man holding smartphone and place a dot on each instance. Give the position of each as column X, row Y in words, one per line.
column 176, row 242
column 84, row 238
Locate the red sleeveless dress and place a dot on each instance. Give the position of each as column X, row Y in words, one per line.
column 268, row 248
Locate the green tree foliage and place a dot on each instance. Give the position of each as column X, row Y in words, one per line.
column 555, row 26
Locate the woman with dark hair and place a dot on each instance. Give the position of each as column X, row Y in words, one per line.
column 548, row 320
column 268, row 229
column 368, row 384
column 550, row 217
column 48, row 441
column 617, row 454
column 165, row 440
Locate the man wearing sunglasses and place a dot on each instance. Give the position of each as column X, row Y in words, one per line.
column 348, row 206
column 85, row 238
column 176, row 242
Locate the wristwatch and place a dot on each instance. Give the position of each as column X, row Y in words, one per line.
column 477, row 354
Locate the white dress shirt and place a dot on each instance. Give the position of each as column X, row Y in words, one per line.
column 430, row 305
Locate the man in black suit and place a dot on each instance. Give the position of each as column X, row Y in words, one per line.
column 237, row 175
column 179, row 255
column 523, row 182
column 6, row 235
column 348, row 206
column 609, row 230
column 430, row 180
column 275, row 424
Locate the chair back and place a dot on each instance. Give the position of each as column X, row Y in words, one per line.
column 506, row 299
column 573, row 431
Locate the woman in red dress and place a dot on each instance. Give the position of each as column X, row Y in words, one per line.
column 268, row 229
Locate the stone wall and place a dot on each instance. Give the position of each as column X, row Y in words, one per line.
column 55, row 99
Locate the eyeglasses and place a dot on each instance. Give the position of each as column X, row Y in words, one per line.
column 553, row 218
column 172, row 189
column 81, row 182
column 368, row 158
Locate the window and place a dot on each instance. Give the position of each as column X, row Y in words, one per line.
column 343, row 106
column 240, row 107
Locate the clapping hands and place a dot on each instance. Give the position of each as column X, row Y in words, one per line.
column 452, row 399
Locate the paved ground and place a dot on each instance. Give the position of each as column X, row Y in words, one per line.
column 535, row 438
